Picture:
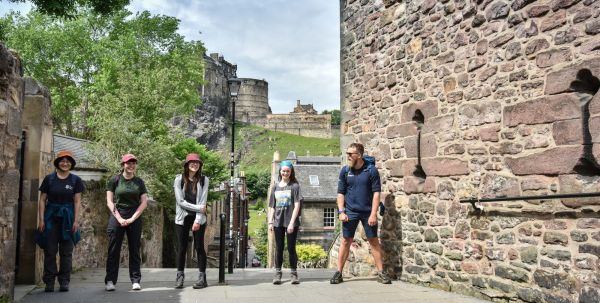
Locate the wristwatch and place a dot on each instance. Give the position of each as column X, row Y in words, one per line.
column 341, row 211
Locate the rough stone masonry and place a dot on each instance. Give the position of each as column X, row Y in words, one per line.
column 460, row 99
column 11, row 107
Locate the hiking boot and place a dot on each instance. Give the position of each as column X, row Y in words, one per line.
column 179, row 280
column 64, row 287
column 49, row 287
column 295, row 279
column 383, row 278
column 201, row 283
column 337, row 278
column 110, row 286
column 277, row 277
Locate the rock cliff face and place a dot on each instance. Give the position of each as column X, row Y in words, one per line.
column 208, row 124
column 485, row 99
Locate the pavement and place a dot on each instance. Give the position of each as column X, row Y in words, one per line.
column 251, row 285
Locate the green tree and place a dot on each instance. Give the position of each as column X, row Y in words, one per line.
column 67, row 8
column 258, row 184
column 117, row 80
column 335, row 116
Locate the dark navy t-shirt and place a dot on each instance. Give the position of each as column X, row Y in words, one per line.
column 358, row 188
column 62, row 190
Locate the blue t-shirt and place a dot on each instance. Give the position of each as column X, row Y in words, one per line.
column 62, row 190
column 358, row 188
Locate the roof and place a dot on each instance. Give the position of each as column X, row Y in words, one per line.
column 318, row 160
column 327, row 177
column 75, row 145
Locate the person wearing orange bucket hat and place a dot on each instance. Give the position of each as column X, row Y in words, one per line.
column 191, row 193
column 126, row 199
column 59, row 206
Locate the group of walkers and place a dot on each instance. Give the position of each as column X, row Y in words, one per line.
column 59, row 209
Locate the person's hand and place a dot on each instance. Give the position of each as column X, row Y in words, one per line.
column 373, row 219
column 75, row 227
column 290, row 228
column 270, row 226
column 123, row 222
column 196, row 227
column 343, row 217
column 41, row 225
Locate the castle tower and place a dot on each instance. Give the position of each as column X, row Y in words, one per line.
column 253, row 100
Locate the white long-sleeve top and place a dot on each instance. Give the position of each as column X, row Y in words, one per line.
column 182, row 206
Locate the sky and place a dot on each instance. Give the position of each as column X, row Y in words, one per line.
column 293, row 45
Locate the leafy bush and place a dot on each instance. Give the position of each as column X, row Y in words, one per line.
column 310, row 252
column 261, row 242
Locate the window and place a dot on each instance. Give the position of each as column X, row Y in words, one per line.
column 329, row 217
column 314, row 180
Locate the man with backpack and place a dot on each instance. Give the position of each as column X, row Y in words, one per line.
column 359, row 189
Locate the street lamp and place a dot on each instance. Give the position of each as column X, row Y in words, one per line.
column 234, row 88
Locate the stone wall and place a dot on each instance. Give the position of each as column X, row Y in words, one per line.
column 253, row 100
column 299, row 124
column 11, row 107
column 461, row 99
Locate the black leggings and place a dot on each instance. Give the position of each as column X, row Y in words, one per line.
column 280, row 234
column 182, row 232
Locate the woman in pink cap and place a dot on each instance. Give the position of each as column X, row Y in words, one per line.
column 126, row 198
column 191, row 192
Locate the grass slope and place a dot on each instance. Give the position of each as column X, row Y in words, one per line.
column 257, row 146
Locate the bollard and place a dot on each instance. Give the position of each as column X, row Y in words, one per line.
column 222, row 250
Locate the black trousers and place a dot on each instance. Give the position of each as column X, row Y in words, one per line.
column 56, row 244
column 182, row 232
column 280, row 235
column 115, row 240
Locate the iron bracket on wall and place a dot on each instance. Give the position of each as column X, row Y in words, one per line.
column 524, row 198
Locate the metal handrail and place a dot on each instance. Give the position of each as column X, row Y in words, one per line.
column 524, row 198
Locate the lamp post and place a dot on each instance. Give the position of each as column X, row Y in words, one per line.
column 234, row 88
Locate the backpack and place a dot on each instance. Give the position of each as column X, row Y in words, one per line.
column 371, row 169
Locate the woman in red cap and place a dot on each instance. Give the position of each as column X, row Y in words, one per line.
column 59, row 207
column 126, row 198
column 191, row 192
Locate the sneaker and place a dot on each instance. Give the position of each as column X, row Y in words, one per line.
column 63, row 287
column 201, row 283
column 179, row 280
column 49, row 287
column 277, row 277
column 337, row 278
column 295, row 279
column 136, row 286
column 110, row 286
column 383, row 278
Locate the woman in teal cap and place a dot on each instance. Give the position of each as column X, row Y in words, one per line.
column 284, row 212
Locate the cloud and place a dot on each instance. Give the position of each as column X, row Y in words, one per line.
column 293, row 45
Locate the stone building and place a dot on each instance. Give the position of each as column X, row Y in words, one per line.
column 253, row 100
column 209, row 122
column 317, row 176
column 303, row 121
column 460, row 99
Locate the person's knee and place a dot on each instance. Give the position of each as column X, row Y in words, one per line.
column 374, row 242
column 346, row 242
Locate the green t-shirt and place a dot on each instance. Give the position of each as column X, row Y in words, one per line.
column 127, row 193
